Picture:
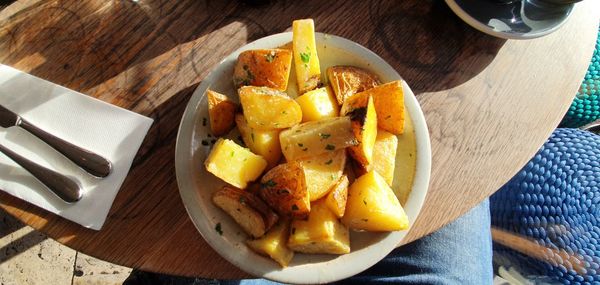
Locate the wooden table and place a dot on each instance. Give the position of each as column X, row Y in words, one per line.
column 489, row 103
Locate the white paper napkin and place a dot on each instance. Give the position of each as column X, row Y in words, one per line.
column 110, row 131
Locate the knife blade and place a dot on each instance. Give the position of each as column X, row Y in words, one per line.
column 87, row 160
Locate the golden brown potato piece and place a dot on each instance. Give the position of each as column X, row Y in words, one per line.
column 322, row 232
column 263, row 143
column 349, row 80
column 306, row 60
column 373, row 206
column 364, row 126
column 263, row 67
column 221, row 111
column 284, row 189
column 322, row 172
column 389, row 105
column 274, row 243
column 268, row 109
column 317, row 137
column 336, row 199
column 251, row 213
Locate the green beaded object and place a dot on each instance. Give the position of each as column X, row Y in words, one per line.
column 586, row 105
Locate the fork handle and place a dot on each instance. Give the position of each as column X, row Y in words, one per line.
column 61, row 185
column 87, row 160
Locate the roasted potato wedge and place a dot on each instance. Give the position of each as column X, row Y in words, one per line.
column 322, row 232
column 322, row 172
column 263, row 143
column 389, row 105
column 274, row 243
column 317, row 137
column 268, row 109
column 318, row 104
column 337, row 197
column 234, row 164
column 373, row 206
column 364, row 126
column 349, row 80
column 284, row 189
column 250, row 212
column 263, row 67
column 306, row 61
column 384, row 156
column 221, row 111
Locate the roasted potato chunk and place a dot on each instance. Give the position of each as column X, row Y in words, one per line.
column 318, row 104
column 274, row 243
column 364, row 126
column 317, row 137
column 269, row 109
column 373, row 206
column 284, row 189
column 337, row 197
column 306, row 61
column 389, row 105
column 234, row 164
column 263, row 143
column 322, row 232
column 349, row 80
column 263, row 67
column 251, row 213
column 322, row 172
column 220, row 112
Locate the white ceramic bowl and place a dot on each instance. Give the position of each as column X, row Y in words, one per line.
column 196, row 185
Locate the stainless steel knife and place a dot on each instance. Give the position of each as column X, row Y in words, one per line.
column 87, row 160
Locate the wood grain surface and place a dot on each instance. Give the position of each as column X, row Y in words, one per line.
column 489, row 103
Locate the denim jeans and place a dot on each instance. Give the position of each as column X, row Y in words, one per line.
column 458, row 253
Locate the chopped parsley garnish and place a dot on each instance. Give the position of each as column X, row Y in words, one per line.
column 242, row 200
column 365, row 202
column 300, row 144
column 270, row 57
column 294, row 207
column 232, row 153
column 305, row 57
column 329, row 147
column 329, row 161
column 283, row 112
column 218, row 229
column 333, row 177
column 324, row 136
column 252, row 136
column 305, row 149
column 269, row 183
column 204, row 142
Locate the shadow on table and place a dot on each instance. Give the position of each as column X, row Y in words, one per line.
column 81, row 44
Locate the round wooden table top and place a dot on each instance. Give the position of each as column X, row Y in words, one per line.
column 489, row 103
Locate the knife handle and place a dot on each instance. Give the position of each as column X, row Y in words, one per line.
column 62, row 186
column 87, row 160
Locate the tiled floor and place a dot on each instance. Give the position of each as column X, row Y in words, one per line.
column 29, row 257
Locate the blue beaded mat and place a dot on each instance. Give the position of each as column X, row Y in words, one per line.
column 586, row 105
column 555, row 201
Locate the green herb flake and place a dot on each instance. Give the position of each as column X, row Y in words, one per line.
column 269, row 183
column 283, row 112
column 293, row 231
column 232, row 153
column 365, row 202
column 204, row 120
column 365, row 220
column 329, row 161
column 204, row 142
column 333, row 177
column 330, row 147
column 242, row 200
column 252, row 136
column 294, row 207
column 218, row 229
column 305, row 57
column 270, row 57
column 305, row 149
column 388, row 116
column 300, row 144
column 324, row 136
